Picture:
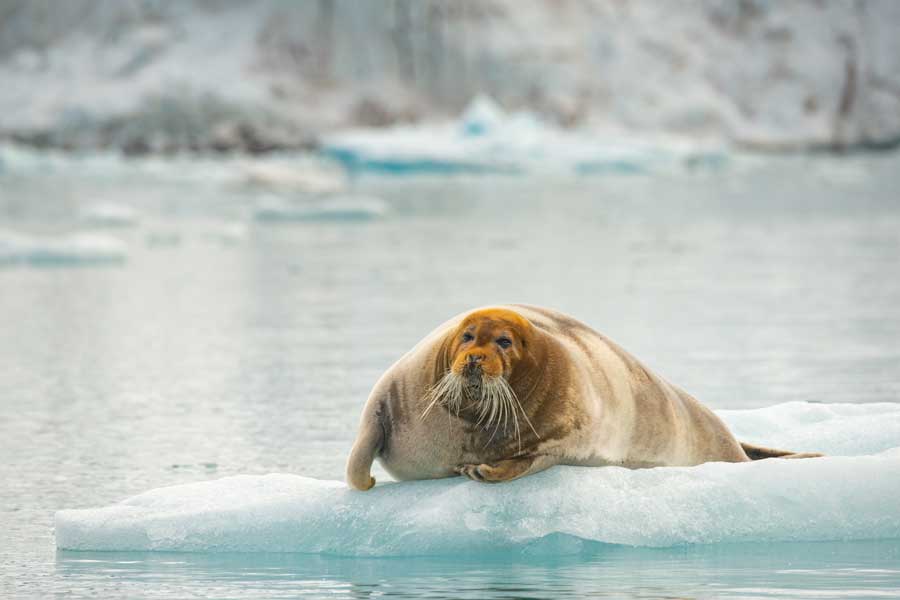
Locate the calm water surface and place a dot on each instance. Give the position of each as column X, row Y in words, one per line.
column 222, row 345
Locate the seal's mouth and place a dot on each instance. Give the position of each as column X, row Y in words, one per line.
column 473, row 377
column 490, row 401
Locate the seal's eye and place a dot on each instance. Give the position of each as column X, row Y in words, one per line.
column 504, row 342
column 467, row 337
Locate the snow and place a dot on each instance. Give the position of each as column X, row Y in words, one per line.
column 836, row 429
column 848, row 495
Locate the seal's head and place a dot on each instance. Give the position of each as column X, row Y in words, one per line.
column 487, row 354
column 489, row 343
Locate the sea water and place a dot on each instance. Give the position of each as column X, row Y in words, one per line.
column 217, row 350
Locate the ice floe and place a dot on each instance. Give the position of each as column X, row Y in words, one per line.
column 109, row 215
column 274, row 209
column 60, row 250
column 564, row 509
column 834, row 429
column 225, row 233
column 295, row 176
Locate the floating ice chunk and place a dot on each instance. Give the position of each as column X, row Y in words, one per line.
column 775, row 500
column 404, row 150
column 564, row 508
column 66, row 250
column 481, row 116
column 162, row 238
column 487, row 140
column 296, row 177
column 109, row 215
column 227, row 234
column 335, row 208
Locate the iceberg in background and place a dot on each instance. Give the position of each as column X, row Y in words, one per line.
column 485, row 139
column 274, row 209
column 67, row 250
column 110, row 215
column 293, row 176
column 562, row 510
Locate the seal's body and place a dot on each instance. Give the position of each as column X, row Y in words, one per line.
column 507, row 391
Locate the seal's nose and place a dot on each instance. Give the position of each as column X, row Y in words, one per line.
column 474, row 359
column 473, row 364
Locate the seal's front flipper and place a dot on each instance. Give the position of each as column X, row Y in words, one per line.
column 506, row 470
column 367, row 445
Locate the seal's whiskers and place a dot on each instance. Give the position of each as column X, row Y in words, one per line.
column 448, row 391
column 496, row 402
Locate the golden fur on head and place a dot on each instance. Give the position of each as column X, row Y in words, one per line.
column 496, row 339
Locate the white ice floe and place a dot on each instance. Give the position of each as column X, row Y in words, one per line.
column 109, row 215
column 274, row 209
column 295, row 176
column 564, row 509
column 487, row 140
column 226, row 233
column 163, row 238
column 60, row 250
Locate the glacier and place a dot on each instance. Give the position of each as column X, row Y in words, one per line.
column 150, row 77
column 850, row 494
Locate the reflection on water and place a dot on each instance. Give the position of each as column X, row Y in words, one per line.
column 844, row 570
column 223, row 345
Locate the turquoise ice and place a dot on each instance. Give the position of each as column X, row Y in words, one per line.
column 850, row 495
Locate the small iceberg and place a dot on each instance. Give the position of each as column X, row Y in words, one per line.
column 225, row 233
column 485, row 139
column 274, row 209
column 65, row 250
column 564, row 509
column 162, row 238
column 109, row 215
column 294, row 177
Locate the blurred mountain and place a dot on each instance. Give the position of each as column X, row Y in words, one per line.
column 167, row 75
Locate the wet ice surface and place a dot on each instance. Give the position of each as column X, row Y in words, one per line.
column 226, row 346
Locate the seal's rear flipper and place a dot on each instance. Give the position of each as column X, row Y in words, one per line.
column 761, row 452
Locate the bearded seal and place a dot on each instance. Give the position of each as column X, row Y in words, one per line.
column 503, row 392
